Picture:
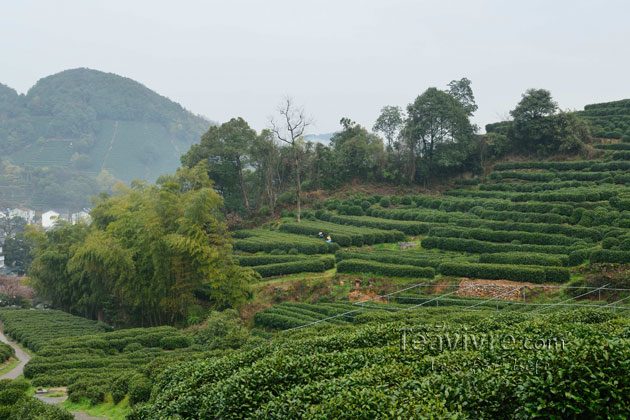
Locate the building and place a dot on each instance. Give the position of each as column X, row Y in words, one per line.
column 49, row 219
column 26, row 214
column 81, row 217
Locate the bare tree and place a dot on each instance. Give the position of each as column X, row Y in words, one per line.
column 290, row 127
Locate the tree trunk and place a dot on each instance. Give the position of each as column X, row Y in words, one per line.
column 242, row 182
column 299, row 186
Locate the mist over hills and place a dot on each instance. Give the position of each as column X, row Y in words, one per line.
column 78, row 131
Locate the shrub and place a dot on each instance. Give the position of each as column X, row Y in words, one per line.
column 424, row 259
column 610, row 243
column 276, row 242
column 35, row 328
column 302, row 266
column 10, row 396
column 344, row 235
column 120, row 387
column 172, row 342
column 608, row 256
column 408, row 227
column 481, row 247
column 521, row 217
column 384, row 202
column 251, row 260
column 523, row 273
column 503, row 236
column 364, row 266
column 139, row 389
column 523, row 258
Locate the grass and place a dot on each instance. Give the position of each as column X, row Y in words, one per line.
column 107, row 409
column 56, row 394
column 9, row 366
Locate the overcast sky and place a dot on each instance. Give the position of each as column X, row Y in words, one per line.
column 338, row 58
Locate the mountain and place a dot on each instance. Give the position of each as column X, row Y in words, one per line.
column 319, row 138
column 83, row 129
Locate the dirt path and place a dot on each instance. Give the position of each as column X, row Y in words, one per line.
column 20, row 354
column 24, row 357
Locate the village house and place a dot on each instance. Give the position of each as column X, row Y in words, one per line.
column 49, row 219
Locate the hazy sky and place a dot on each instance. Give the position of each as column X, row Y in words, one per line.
column 338, row 58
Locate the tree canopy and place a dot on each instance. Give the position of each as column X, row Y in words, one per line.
column 150, row 253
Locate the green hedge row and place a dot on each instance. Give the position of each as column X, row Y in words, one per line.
column 430, row 216
column 577, row 195
column 611, row 166
column 520, row 217
column 609, row 256
column 407, row 227
column 302, row 266
column 267, row 241
column 6, row 352
column 551, row 176
column 481, row 247
column 252, row 260
column 335, row 372
column 393, row 270
column 36, row 328
column 621, row 155
column 579, row 256
column 523, row 258
column 558, row 166
column 523, row 273
column 536, row 186
column 418, row 259
column 503, row 236
column 613, row 146
column 344, row 235
column 574, row 231
column 294, row 314
column 457, row 204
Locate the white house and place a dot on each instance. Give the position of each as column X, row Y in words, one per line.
column 83, row 216
column 26, row 214
column 49, row 218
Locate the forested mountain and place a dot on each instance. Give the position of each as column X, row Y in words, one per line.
column 76, row 132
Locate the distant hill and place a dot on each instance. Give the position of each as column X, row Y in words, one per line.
column 319, row 138
column 91, row 128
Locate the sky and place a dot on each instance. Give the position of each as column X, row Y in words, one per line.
column 343, row 58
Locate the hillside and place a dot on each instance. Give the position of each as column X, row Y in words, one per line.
column 609, row 120
column 72, row 126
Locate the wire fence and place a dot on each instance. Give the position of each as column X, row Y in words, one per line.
column 387, row 302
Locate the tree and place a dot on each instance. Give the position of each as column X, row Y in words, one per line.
column 10, row 225
column 359, row 154
column 17, row 251
column 389, row 123
column 462, row 91
column 534, row 104
column 151, row 252
column 434, row 117
column 265, row 158
column 538, row 128
column 226, row 148
column 290, row 129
